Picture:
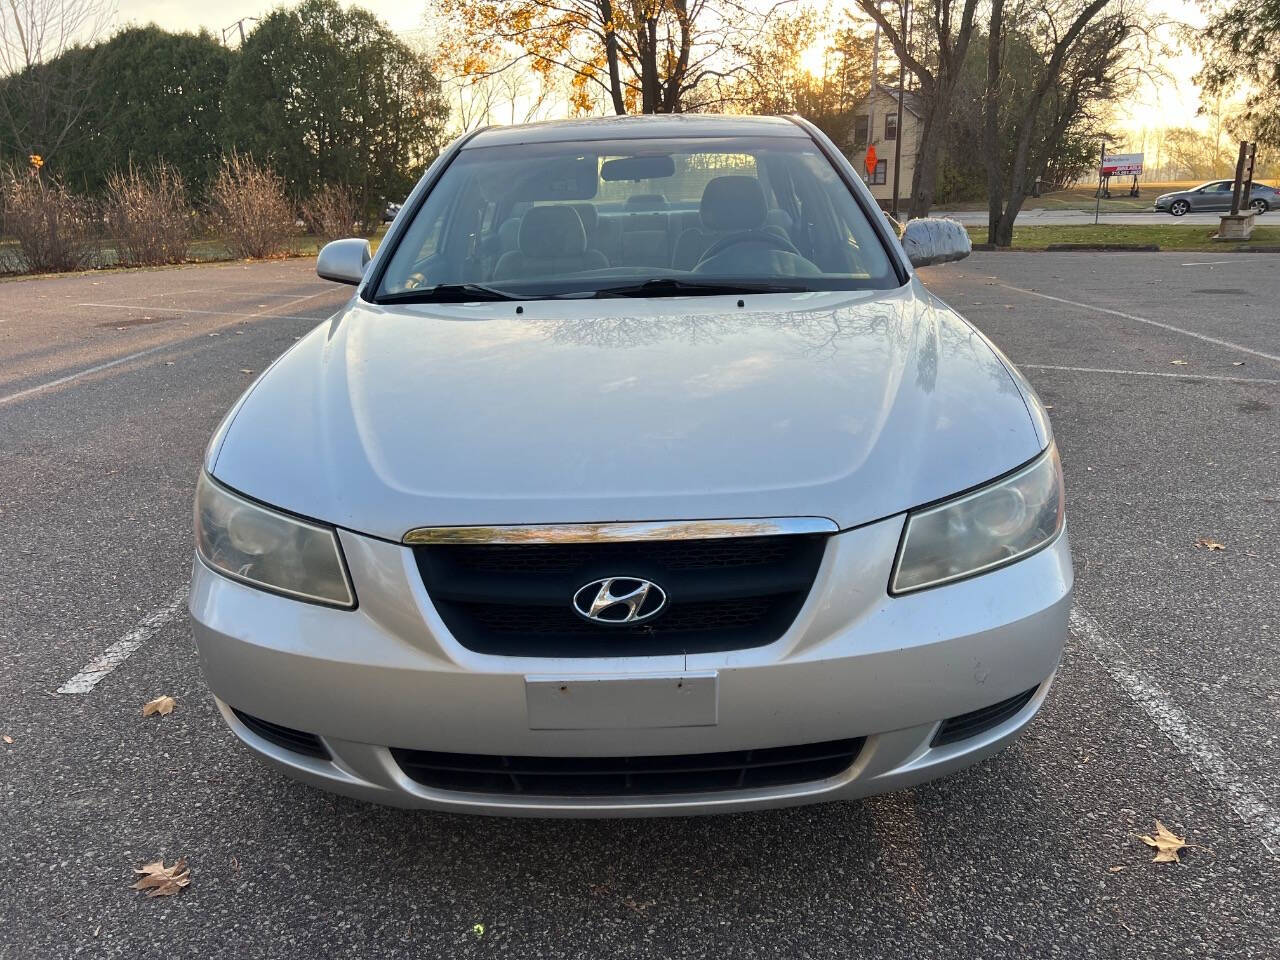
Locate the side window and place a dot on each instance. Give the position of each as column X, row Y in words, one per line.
column 891, row 126
column 861, row 128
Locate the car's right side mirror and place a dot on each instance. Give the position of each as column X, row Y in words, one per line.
column 935, row 240
column 344, row 261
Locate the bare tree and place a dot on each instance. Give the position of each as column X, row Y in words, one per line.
column 934, row 54
column 40, row 105
column 1083, row 57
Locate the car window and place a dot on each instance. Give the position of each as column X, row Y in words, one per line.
column 563, row 219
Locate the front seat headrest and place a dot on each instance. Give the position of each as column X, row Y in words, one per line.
column 552, row 231
column 587, row 214
column 732, row 203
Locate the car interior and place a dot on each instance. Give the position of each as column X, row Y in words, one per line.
column 581, row 218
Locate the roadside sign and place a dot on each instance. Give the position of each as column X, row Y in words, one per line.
column 1122, row 165
column 871, row 159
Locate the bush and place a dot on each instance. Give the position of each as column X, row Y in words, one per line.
column 148, row 217
column 55, row 230
column 332, row 213
column 249, row 209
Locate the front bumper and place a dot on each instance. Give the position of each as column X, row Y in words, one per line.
column 856, row 663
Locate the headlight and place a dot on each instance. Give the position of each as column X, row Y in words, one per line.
column 982, row 530
column 266, row 549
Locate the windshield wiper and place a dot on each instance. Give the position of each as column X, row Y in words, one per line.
column 676, row 286
column 450, row 293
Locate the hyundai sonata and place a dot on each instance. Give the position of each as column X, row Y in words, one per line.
column 640, row 475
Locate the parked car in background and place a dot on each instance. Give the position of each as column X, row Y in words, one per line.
column 640, row 475
column 1215, row 196
column 389, row 211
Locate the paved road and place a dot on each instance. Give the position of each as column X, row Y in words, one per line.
column 1166, row 704
column 1047, row 216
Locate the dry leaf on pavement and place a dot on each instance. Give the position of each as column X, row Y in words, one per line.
column 161, row 881
column 1167, row 845
column 161, row 705
column 8, row 739
column 1207, row 544
column 1178, row 363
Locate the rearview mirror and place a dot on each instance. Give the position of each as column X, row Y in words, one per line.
column 344, row 261
column 935, row 240
column 652, row 167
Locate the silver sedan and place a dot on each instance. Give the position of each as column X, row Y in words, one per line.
column 640, row 475
column 1215, row 196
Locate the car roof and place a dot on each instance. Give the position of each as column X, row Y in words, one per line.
column 637, row 128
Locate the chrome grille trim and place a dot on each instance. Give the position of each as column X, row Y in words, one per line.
column 622, row 532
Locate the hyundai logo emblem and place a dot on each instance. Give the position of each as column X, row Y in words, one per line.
column 620, row 600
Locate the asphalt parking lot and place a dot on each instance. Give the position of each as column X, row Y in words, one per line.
column 1163, row 375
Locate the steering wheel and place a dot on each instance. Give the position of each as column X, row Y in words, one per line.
column 766, row 237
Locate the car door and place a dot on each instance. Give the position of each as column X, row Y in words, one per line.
column 1216, row 196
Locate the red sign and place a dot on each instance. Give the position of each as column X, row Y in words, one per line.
column 871, row 159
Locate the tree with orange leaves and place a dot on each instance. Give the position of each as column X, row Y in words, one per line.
column 643, row 56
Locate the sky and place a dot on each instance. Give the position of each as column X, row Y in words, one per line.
column 1168, row 102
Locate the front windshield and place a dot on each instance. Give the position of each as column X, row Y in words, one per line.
column 565, row 219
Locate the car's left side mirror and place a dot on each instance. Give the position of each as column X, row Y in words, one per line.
column 344, row 261
column 935, row 240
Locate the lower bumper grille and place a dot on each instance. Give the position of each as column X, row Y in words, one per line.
column 299, row 741
column 629, row 776
column 971, row 724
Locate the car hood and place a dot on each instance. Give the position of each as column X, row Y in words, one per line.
column 850, row 406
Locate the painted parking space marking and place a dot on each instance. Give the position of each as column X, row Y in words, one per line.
column 1149, row 373
column 120, row 651
column 155, row 308
column 97, row 368
column 88, row 371
column 1137, row 319
column 1249, row 803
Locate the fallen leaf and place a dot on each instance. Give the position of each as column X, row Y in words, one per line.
column 245, row 370
column 161, row 881
column 1178, row 363
column 1166, row 844
column 161, row 705
column 1206, row 544
column 8, row 739
column 1237, row 363
column 477, row 930
column 1116, row 869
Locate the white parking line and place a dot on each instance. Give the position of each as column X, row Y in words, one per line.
column 124, row 648
column 1218, row 263
column 265, row 313
column 8, row 398
column 1149, row 373
column 1249, row 803
column 156, row 308
column 1155, row 323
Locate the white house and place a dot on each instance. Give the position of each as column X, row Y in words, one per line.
column 875, row 123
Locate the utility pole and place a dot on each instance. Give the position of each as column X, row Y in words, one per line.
column 237, row 26
column 902, row 81
column 871, row 98
column 1097, row 207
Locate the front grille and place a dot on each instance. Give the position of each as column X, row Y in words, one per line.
column 723, row 594
column 299, row 741
column 629, row 776
column 971, row 724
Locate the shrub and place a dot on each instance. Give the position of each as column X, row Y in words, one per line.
column 55, row 230
column 332, row 213
column 249, row 209
column 148, row 217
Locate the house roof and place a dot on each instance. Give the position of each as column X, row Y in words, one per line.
column 911, row 101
